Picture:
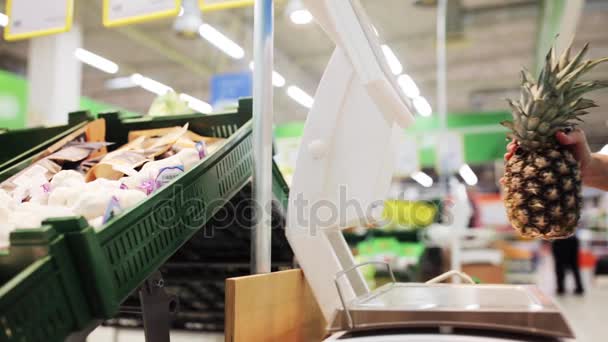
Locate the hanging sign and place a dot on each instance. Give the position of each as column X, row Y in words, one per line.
column 34, row 18
column 216, row 5
column 227, row 89
column 124, row 12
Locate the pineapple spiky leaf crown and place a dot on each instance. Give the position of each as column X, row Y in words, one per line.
column 554, row 100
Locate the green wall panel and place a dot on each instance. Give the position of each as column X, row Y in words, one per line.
column 459, row 120
column 483, row 147
column 13, row 100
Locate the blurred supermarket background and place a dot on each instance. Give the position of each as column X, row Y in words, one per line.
column 488, row 41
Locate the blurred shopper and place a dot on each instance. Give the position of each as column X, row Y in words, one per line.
column 565, row 256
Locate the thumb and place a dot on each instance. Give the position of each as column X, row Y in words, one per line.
column 565, row 139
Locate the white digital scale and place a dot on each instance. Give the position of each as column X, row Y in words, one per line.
column 346, row 157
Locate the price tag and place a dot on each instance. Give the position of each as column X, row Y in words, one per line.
column 216, row 5
column 34, row 18
column 124, row 12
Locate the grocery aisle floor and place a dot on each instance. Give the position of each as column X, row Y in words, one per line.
column 106, row 334
column 588, row 314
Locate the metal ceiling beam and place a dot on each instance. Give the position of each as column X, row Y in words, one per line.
column 151, row 42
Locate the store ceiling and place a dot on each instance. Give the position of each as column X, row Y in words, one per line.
column 497, row 38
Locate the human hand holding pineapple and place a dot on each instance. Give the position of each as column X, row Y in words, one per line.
column 547, row 160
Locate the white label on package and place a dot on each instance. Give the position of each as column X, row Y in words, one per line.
column 49, row 16
column 167, row 174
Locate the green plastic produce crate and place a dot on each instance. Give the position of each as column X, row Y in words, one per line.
column 40, row 298
column 21, row 144
column 280, row 189
column 114, row 261
column 133, row 245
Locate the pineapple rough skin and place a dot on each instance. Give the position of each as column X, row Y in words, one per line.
column 543, row 193
column 543, row 179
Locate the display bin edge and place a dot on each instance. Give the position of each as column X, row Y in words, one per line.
column 27, row 142
column 41, row 301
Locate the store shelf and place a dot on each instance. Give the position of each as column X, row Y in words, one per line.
column 196, row 273
column 104, row 267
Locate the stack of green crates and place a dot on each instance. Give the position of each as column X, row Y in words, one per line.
column 58, row 278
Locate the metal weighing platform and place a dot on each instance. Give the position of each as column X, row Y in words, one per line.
column 521, row 309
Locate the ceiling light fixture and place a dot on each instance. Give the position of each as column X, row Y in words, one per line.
column 150, row 84
column 189, row 20
column 422, row 179
column 409, row 87
column 3, row 19
column 392, row 60
column 468, row 175
column 422, row 106
column 196, row 104
column 297, row 13
column 96, row 61
column 277, row 79
column 301, row 17
column 300, row 96
column 120, row 83
column 220, row 41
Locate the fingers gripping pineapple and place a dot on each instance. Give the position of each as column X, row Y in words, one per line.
column 542, row 180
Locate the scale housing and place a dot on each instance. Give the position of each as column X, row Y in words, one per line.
column 347, row 156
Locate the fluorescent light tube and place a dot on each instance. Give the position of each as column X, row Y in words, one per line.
column 300, row 96
column 301, row 17
column 409, row 87
column 392, row 60
column 220, row 41
column 3, row 19
column 120, row 83
column 422, row 106
column 468, row 175
column 96, row 61
column 277, row 79
column 150, row 84
column 422, row 179
column 196, row 104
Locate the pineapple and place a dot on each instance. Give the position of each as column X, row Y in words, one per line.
column 543, row 179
